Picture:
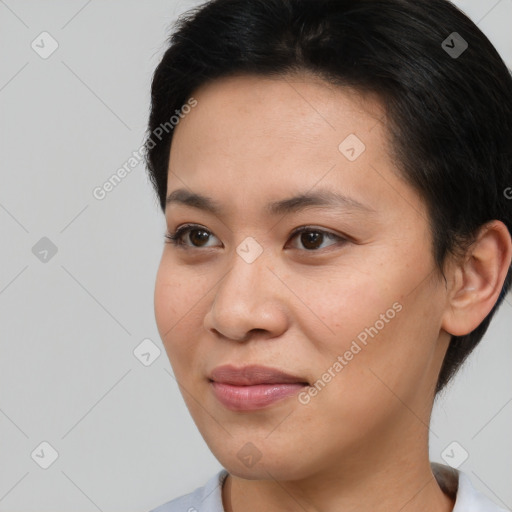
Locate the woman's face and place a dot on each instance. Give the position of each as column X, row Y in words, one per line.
column 353, row 304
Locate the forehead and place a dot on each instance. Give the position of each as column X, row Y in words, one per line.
column 251, row 136
column 281, row 101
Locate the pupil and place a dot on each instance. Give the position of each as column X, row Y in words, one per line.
column 203, row 237
column 310, row 238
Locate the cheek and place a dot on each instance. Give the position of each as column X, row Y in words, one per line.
column 374, row 313
column 179, row 313
column 165, row 300
column 393, row 353
column 171, row 301
column 340, row 302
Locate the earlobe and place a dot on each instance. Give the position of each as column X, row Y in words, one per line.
column 476, row 283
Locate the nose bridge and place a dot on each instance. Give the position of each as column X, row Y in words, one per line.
column 246, row 298
column 249, row 266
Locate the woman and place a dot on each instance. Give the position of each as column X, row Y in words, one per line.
column 339, row 239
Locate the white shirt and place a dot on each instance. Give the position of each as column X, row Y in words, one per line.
column 455, row 483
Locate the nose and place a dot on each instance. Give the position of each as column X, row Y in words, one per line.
column 249, row 299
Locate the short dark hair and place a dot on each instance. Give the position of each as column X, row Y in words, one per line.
column 449, row 114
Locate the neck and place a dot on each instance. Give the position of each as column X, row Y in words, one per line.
column 372, row 479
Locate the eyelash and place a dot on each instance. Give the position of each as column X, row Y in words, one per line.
column 175, row 238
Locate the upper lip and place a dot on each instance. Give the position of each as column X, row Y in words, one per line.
column 251, row 375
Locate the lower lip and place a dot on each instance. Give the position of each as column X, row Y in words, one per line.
column 252, row 398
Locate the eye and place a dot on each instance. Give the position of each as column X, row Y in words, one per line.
column 195, row 233
column 310, row 237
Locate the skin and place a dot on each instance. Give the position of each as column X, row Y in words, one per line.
column 362, row 442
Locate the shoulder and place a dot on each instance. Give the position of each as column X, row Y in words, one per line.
column 470, row 499
column 207, row 498
column 459, row 485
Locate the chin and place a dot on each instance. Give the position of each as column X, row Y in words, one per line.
column 275, row 465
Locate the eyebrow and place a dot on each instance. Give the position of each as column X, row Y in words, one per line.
column 321, row 198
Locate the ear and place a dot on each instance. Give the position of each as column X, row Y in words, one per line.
column 476, row 282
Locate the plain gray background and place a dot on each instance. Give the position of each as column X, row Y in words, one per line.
column 69, row 324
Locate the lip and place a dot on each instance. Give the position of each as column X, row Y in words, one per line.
column 252, row 387
column 252, row 375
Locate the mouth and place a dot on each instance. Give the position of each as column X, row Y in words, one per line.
column 253, row 375
column 253, row 387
